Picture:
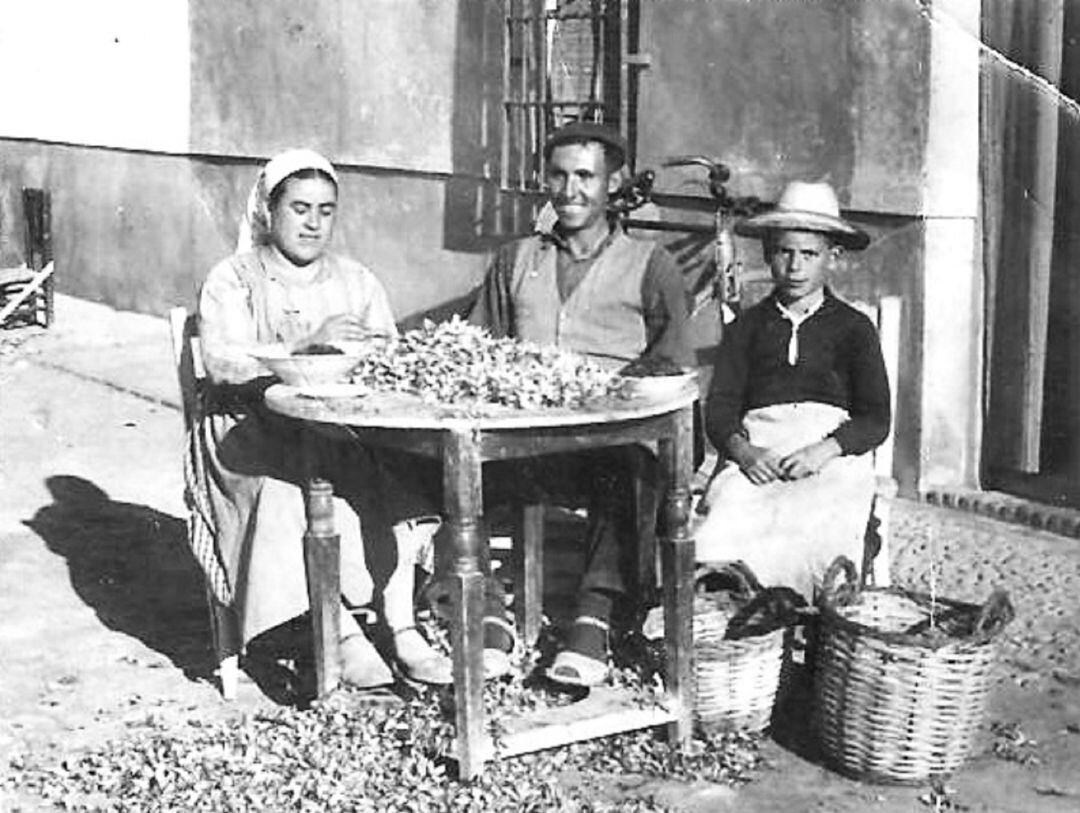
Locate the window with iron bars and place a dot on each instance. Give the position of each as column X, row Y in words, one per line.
column 561, row 63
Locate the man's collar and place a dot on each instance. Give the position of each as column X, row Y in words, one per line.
column 556, row 238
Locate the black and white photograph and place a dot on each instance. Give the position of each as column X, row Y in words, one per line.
column 512, row 406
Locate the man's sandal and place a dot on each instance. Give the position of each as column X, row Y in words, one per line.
column 420, row 661
column 573, row 667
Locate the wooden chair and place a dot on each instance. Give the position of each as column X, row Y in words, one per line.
column 224, row 627
column 26, row 292
column 886, row 314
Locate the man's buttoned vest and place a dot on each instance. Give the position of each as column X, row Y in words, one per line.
column 603, row 317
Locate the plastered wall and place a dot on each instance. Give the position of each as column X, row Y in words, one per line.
column 369, row 83
column 187, row 101
column 831, row 91
column 140, row 231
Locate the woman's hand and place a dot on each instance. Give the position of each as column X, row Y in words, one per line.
column 760, row 465
column 345, row 327
column 809, row 460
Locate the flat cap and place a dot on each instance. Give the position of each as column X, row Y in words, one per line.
column 577, row 131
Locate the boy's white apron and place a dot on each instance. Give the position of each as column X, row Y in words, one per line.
column 789, row 532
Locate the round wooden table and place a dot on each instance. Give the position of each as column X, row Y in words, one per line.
column 463, row 440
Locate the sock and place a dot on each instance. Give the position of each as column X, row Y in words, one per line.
column 588, row 633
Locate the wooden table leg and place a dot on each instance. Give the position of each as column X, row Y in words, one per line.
column 644, row 496
column 677, row 560
column 322, row 563
column 528, row 556
column 463, row 498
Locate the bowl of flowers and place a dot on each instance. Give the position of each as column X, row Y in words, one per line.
column 312, row 365
column 655, row 378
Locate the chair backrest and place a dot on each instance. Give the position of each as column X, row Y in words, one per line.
column 26, row 291
column 187, row 355
column 886, row 314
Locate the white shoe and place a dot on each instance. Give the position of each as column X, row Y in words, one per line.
column 361, row 664
column 419, row 660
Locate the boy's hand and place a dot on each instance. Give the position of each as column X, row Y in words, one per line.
column 760, row 465
column 809, row 460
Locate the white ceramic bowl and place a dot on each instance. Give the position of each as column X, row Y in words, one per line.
column 309, row 370
column 658, row 386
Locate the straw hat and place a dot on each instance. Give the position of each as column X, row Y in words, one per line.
column 806, row 207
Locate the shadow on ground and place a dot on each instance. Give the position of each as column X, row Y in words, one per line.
column 131, row 565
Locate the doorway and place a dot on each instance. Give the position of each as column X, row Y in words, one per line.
column 1031, row 217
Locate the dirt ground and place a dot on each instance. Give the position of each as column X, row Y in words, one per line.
column 103, row 625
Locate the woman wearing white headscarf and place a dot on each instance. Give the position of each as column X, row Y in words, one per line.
column 283, row 285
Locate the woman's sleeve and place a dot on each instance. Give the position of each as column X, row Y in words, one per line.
column 374, row 306
column 726, row 401
column 870, row 410
column 227, row 330
column 494, row 306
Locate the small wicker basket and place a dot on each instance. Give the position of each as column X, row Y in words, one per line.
column 901, row 678
column 737, row 669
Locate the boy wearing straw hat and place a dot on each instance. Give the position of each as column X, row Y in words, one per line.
column 799, row 399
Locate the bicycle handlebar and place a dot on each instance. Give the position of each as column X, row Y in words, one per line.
column 637, row 190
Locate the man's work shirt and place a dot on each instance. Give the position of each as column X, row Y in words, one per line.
column 626, row 301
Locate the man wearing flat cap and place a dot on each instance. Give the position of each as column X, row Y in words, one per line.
column 584, row 285
column 799, row 399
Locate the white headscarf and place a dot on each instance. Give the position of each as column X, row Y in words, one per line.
column 255, row 224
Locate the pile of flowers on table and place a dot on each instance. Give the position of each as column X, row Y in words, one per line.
column 454, row 362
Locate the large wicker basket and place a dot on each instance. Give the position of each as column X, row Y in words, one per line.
column 901, row 678
column 740, row 648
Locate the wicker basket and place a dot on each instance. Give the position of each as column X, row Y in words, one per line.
column 736, row 678
column 901, row 678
